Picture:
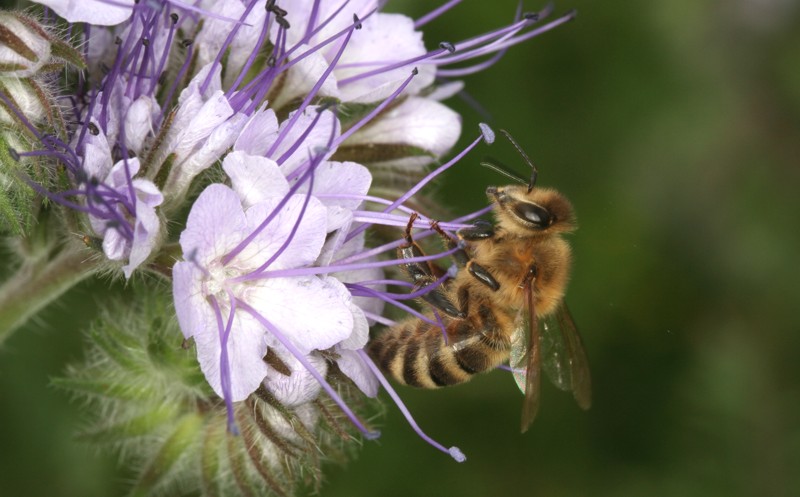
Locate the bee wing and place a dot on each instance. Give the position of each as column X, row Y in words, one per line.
column 526, row 359
column 565, row 360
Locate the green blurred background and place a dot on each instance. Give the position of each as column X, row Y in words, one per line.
column 674, row 127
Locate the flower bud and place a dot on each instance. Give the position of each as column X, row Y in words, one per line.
column 24, row 45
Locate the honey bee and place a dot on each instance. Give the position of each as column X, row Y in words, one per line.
column 507, row 306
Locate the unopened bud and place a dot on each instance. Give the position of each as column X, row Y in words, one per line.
column 25, row 46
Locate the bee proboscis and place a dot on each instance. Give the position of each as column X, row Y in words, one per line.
column 507, row 304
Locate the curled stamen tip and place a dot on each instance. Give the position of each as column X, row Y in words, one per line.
column 372, row 435
column 452, row 271
column 456, row 454
column 487, row 132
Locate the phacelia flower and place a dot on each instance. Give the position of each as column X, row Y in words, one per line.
column 246, row 151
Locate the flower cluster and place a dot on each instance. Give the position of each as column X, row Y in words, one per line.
column 247, row 139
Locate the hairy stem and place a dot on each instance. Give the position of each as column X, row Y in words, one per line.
column 33, row 286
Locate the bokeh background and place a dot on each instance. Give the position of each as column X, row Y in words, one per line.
column 674, row 127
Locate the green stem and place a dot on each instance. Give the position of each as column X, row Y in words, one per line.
column 33, row 286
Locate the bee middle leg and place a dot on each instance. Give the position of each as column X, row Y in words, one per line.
column 481, row 231
column 425, row 273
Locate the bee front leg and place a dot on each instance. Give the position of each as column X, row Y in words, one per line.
column 482, row 230
column 425, row 273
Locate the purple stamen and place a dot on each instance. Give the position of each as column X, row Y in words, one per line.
column 357, row 291
column 280, row 160
column 289, row 238
column 441, row 325
column 305, row 271
column 312, row 93
column 369, row 435
column 377, row 110
column 251, row 58
column 454, row 452
column 218, row 60
column 165, row 55
column 435, row 13
column 361, row 288
column 224, row 365
column 427, row 179
column 244, row 243
column 174, row 86
column 379, row 319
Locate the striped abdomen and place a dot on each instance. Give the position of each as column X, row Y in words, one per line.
column 414, row 352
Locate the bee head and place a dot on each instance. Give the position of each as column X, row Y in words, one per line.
column 535, row 211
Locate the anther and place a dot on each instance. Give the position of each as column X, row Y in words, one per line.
column 282, row 22
column 356, row 22
column 174, row 16
column 446, row 45
column 93, row 129
column 531, row 16
column 487, row 132
column 117, row 41
column 186, row 43
column 14, row 154
column 415, row 71
column 146, row 42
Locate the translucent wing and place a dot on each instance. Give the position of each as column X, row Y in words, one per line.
column 526, row 359
column 563, row 357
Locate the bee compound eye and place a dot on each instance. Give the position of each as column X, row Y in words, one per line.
column 533, row 214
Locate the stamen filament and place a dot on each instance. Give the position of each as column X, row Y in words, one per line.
column 369, row 435
column 454, row 452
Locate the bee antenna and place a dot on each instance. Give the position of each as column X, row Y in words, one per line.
column 534, row 172
column 501, row 168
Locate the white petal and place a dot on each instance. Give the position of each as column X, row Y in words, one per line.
column 299, row 12
column 304, row 247
column 311, row 312
column 355, row 369
column 91, row 11
column 254, row 179
column 383, row 40
column 333, row 251
column 212, row 113
column 417, row 122
column 357, row 339
column 326, row 128
column 303, row 75
column 196, row 317
column 139, row 122
column 216, row 225
column 246, row 349
column 146, row 231
column 339, row 178
column 203, row 157
column 115, row 246
column 191, row 307
column 300, row 387
column 261, row 129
